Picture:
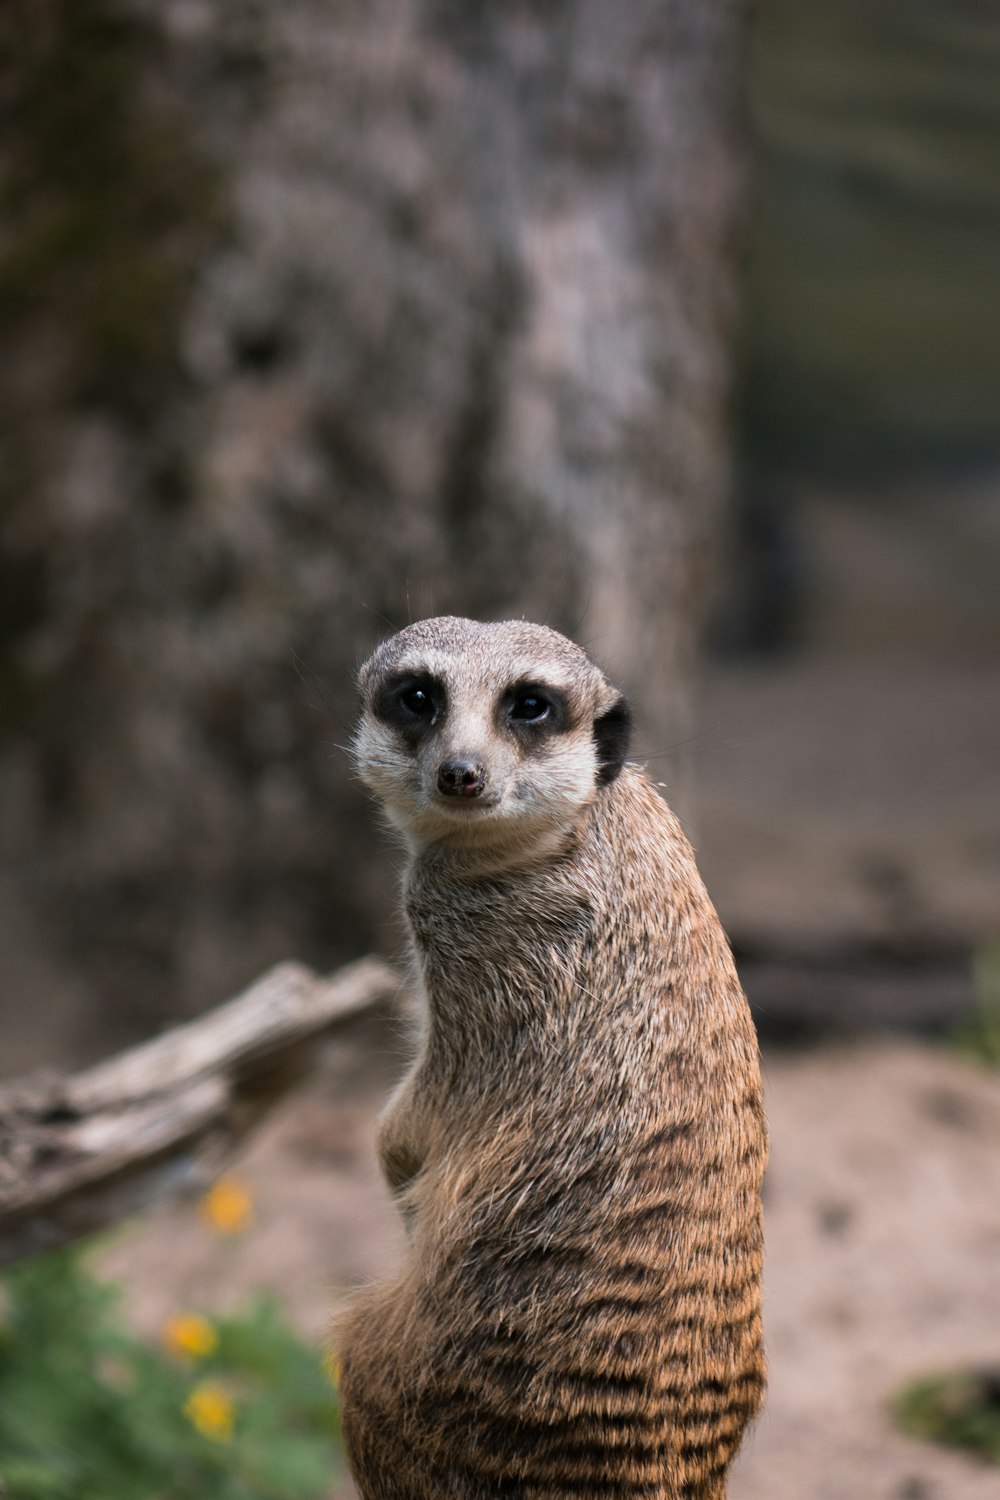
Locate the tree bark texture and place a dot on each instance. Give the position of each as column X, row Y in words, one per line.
column 452, row 336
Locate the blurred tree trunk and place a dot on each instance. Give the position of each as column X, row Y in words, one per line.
column 424, row 308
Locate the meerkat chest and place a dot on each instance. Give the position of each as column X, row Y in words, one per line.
column 478, row 929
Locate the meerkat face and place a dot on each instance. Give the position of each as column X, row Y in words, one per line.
column 487, row 736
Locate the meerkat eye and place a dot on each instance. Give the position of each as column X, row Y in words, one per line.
column 529, row 707
column 411, row 703
column 418, row 701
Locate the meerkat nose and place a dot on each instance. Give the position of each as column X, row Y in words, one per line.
column 461, row 777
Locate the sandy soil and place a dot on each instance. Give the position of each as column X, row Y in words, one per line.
column 883, row 1236
column 883, row 1263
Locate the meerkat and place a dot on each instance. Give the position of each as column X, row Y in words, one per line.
column 579, row 1144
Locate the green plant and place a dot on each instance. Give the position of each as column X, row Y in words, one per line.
column 980, row 1036
column 236, row 1409
column 961, row 1410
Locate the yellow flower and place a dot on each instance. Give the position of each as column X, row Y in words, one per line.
column 187, row 1333
column 209, row 1408
column 227, row 1206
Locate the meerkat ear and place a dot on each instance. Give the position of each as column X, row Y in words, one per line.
column 612, row 732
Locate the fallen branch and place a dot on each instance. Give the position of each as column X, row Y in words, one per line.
column 80, row 1152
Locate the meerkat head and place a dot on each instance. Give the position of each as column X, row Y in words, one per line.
column 487, row 737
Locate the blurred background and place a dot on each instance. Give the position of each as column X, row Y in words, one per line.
column 676, row 326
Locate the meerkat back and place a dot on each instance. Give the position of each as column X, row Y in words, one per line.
column 579, row 1144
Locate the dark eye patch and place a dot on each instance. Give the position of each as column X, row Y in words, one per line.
column 411, row 703
column 530, row 707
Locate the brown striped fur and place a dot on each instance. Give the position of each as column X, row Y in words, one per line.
column 579, row 1145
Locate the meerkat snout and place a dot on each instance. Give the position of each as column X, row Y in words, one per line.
column 493, row 736
column 461, row 777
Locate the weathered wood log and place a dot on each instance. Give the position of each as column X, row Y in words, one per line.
column 80, row 1152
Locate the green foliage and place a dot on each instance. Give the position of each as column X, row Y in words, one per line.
column 872, row 324
column 980, row 1037
column 961, row 1410
column 90, row 1412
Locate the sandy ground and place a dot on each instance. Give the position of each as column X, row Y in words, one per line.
column 883, row 1246
column 883, row 1263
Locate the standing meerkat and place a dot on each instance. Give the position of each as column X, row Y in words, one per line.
column 579, row 1144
